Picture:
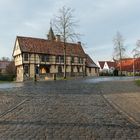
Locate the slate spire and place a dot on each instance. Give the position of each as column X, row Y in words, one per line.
column 51, row 35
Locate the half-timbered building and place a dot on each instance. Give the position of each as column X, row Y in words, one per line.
column 44, row 58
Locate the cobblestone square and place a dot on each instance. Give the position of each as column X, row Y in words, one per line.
column 71, row 110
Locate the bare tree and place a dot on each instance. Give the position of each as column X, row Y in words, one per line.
column 11, row 69
column 5, row 59
column 119, row 49
column 136, row 51
column 64, row 24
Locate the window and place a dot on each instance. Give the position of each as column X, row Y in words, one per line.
column 47, row 69
column 57, row 59
column 42, row 58
column 26, row 69
column 47, row 58
column 79, row 60
column 36, row 69
column 78, row 69
column 59, row 69
column 26, row 56
column 89, row 70
column 72, row 59
column 62, row 59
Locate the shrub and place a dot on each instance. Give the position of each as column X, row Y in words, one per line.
column 137, row 82
column 7, row 77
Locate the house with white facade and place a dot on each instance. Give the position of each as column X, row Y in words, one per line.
column 106, row 66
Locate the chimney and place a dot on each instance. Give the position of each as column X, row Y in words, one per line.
column 79, row 42
column 58, row 38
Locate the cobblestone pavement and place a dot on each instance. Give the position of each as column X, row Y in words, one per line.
column 70, row 110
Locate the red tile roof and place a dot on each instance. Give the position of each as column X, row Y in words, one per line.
column 111, row 64
column 44, row 46
column 127, row 64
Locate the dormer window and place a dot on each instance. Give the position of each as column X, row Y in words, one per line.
column 26, row 56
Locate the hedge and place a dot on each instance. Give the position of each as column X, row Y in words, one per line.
column 137, row 82
column 7, row 77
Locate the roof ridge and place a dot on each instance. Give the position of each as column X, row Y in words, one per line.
column 29, row 37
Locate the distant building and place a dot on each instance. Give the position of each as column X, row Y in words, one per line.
column 44, row 58
column 106, row 66
column 3, row 65
column 128, row 66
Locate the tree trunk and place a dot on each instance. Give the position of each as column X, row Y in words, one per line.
column 64, row 60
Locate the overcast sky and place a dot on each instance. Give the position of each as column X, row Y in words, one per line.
column 99, row 20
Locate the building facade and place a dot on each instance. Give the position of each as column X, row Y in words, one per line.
column 3, row 65
column 106, row 66
column 44, row 58
column 129, row 66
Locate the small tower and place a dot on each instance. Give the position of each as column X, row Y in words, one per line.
column 51, row 35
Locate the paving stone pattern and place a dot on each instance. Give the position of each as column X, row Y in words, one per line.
column 62, row 110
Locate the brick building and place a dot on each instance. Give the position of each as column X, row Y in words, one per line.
column 3, row 65
column 129, row 66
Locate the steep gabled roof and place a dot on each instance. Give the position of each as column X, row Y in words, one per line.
column 90, row 62
column 44, row 46
column 101, row 64
column 111, row 64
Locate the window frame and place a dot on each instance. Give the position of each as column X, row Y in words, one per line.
column 26, row 57
column 47, row 58
column 42, row 58
column 62, row 59
column 57, row 59
column 72, row 59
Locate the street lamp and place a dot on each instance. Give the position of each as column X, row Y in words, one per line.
column 134, row 66
column 38, row 68
column 135, row 54
column 36, row 72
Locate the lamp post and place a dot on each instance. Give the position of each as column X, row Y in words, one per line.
column 135, row 55
column 38, row 68
column 134, row 66
column 36, row 72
